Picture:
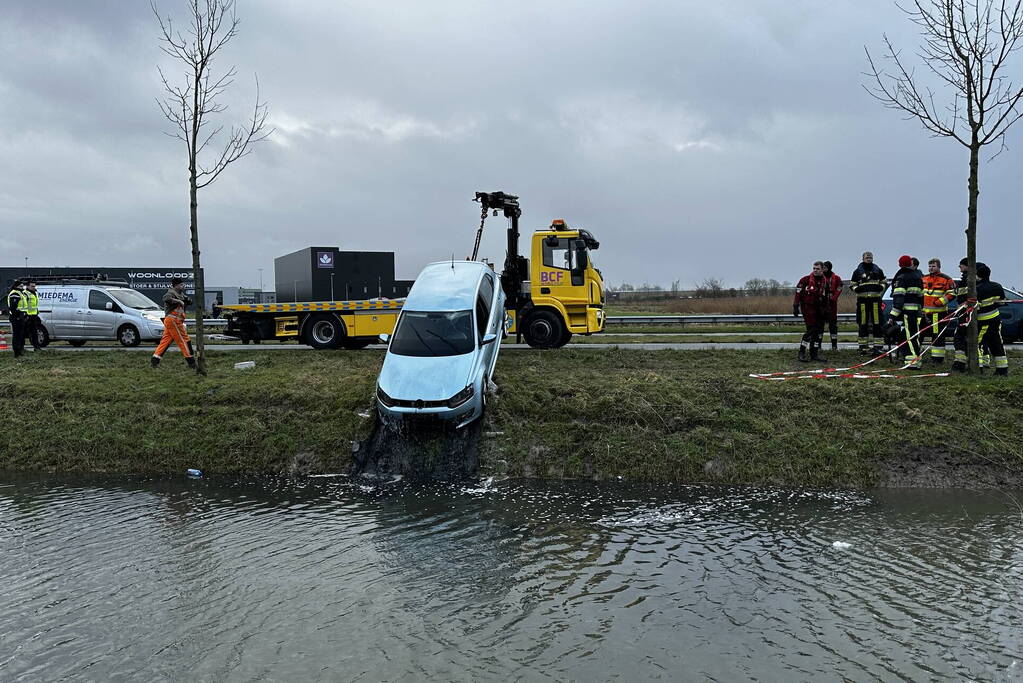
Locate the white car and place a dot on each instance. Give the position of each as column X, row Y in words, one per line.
column 441, row 356
column 77, row 312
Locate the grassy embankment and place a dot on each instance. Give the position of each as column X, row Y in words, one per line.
column 658, row 416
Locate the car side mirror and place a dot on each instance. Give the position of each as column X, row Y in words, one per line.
column 489, row 338
column 384, row 338
column 109, row 305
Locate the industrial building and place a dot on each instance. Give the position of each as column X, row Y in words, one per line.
column 152, row 282
column 329, row 274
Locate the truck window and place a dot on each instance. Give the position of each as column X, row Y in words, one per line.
column 557, row 256
column 98, row 300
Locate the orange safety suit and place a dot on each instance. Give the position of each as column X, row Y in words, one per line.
column 174, row 331
column 939, row 290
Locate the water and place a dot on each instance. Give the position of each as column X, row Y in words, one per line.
column 203, row 579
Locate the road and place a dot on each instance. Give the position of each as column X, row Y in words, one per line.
column 647, row 346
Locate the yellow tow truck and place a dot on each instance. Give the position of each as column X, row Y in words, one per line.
column 549, row 297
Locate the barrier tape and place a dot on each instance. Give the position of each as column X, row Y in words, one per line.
column 850, row 372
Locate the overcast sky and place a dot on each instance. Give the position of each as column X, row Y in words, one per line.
column 694, row 139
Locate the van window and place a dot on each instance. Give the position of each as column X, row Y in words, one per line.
column 98, row 300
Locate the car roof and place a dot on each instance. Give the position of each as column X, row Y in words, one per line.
column 446, row 286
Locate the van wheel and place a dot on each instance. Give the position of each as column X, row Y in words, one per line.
column 325, row 332
column 42, row 336
column 128, row 335
column 355, row 343
column 544, row 330
column 76, row 342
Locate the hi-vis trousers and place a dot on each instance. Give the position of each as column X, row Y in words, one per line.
column 174, row 330
column 868, row 317
column 931, row 329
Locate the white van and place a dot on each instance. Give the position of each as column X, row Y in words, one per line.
column 77, row 312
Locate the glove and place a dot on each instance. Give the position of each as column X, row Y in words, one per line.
column 795, row 310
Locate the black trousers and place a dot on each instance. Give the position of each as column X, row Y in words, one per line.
column 833, row 330
column 868, row 317
column 911, row 326
column 17, row 334
column 32, row 326
column 936, row 331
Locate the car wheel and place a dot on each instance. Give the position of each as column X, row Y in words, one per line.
column 42, row 336
column 355, row 343
column 128, row 335
column 325, row 332
column 544, row 330
column 76, row 342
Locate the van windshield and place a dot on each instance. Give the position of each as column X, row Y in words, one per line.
column 425, row 333
column 129, row 298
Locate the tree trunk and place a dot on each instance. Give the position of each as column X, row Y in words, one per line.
column 972, row 358
column 200, row 285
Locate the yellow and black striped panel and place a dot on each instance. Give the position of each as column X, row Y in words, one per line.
column 313, row 306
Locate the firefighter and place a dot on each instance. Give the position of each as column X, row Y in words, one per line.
column 907, row 301
column 811, row 301
column 990, row 296
column 939, row 290
column 834, row 291
column 32, row 324
column 868, row 282
column 16, row 314
column 962, row 296
column 174, row 302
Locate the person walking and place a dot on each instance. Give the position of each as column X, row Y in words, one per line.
column 811, row 301
column 33, row 326
column 834, row 291
column 174, row 303
column 939, row 291
column 990, row 296
column 16, row 315
column 907, row 301
column 868, row 282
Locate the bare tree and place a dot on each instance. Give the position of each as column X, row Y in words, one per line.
column 966, row 46
column 190, row 106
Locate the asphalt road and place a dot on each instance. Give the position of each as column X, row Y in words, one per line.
column 678, row 346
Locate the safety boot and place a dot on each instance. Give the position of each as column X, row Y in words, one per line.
column 154, row 361
column 834, row 343
column 864, row 350
column 802, row 353
column 191, row 362
column 937, row 360
column 1002, row 372
column 878, row 351
column 815, row 354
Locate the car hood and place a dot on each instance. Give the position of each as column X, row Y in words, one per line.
column 430, row 378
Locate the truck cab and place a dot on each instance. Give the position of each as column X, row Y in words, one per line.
column 565, row 290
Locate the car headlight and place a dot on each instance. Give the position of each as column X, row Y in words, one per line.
column 462, row 396
column 152, row 317
column 384, row 398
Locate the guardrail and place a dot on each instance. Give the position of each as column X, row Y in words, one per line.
column 710, row 319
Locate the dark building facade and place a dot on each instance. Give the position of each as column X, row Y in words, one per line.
column 329, row 274
column 152, row 282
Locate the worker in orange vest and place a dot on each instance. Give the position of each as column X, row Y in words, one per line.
column 939, row 290
column 174, row 303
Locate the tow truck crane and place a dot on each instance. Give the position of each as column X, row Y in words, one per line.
column 556, row 293
column 550, row 297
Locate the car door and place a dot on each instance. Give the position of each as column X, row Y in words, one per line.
column 486, row 320
column 100, row 316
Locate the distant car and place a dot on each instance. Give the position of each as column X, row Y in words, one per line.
column 441, row 355
column 1012, row 316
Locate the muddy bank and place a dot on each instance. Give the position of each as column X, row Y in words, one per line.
column 921, row 468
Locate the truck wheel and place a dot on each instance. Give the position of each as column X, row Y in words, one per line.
column 355, row 343
column 128, row 335
column 76, row 342
column 325, row 332
column 565, row 338
column 544, row 330
column 42, row 336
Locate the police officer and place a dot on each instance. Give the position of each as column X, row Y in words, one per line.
column 907, row 302
column 32, row 324
column 868, row 282
column 16, row 314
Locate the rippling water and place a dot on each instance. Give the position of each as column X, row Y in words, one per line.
column 176, row 579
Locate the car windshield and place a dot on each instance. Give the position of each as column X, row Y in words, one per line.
column 442, row 333
column 129, row 298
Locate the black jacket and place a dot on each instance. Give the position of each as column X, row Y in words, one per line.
column 907, row 292
column 868, row 281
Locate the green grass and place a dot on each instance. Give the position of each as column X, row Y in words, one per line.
column 601, row 414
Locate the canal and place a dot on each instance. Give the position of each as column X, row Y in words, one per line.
column 116, row 578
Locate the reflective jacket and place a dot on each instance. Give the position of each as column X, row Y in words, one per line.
column 31, row 302
column 907, row 292
column 990, row 296
column 939, row 290
column 868, row 281
column 15, row 302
